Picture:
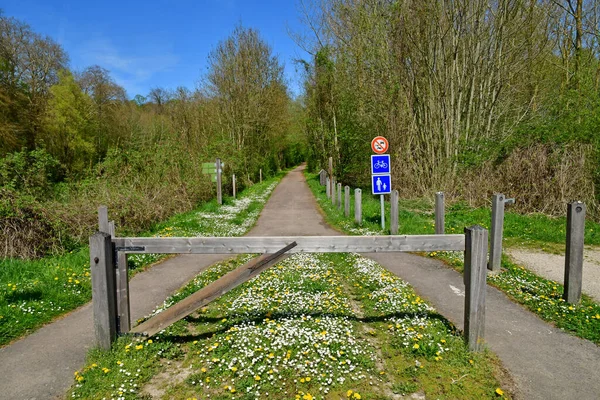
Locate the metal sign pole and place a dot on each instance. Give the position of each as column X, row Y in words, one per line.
column 382, row 213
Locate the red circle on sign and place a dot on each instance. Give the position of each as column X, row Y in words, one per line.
column 379, row 144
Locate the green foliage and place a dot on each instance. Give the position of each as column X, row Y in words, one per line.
column 30, row 172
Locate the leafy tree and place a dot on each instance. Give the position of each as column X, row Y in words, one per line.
column 69, row 125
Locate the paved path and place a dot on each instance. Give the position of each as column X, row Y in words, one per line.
column 545, row 362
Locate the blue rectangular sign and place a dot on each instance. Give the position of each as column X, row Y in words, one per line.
column 380, row 164
column 381, row 184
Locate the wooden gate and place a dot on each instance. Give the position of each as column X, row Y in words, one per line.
column 110, row 286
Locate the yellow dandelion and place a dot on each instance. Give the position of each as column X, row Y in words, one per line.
column 256, row 378
column 499, row 392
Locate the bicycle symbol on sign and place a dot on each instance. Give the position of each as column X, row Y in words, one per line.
column 380, row 164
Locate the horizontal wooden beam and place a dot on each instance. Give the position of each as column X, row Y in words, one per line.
column 306, row 244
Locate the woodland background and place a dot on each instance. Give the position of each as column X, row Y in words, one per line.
column 475, row 96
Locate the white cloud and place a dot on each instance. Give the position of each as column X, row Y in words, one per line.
column 132, row 70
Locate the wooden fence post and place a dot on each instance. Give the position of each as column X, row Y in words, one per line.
column 103, row 289
column 328, row 188
column 219, row 193
column 358, row 206
column 322, row 177
column 339, row 195
column 439, row 213
column 347, row 201
column 122, row 287
column 103, row 225
column 233, row 181
column 260, row 174
column 333, row 186
column 496, row 232
column 574, row 254
column 394, row 212
column 331, row 178
column 476, row 245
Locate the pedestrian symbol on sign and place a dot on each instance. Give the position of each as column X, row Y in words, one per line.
column 381, row 184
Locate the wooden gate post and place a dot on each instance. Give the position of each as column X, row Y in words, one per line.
column 496, row 232
column 574, row 252
column 358, row 206
column 394, row 212
column 347, row 201
column 122, row 287
column 103, row 289
column 476, row 246
column 339, row 195
column 328, row 188
column 219, row 193
column 439, row 213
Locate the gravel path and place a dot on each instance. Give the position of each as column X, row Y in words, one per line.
column 552, row 266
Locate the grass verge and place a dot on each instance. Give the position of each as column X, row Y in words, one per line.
column 541, row 296
column 34, row 292
column 312, row 327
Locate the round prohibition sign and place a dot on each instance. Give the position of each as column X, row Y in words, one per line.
column 379, row 144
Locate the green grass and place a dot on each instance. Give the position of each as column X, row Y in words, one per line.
column 324, row 326
column 34, row 292
column 541, row 296
column 416, row 218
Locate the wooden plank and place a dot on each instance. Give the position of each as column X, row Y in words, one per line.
column 122, row 282
column 103, row 289
column 394, row 212
column 439, row 213
column 111, row 228
column 103, row 219
column 210, row 292
column 219, row 192
column 347, row 201
column 574, row 252
column 496, row 228
column 328, row 189
column 358, row 206
column 339, row 195
column 308, row 244
column 476, row 240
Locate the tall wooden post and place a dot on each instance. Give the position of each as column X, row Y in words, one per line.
column 122, row 287
column 260, row 173
column 233, row 181
column 476, row 245
column 439, row 213
column 339, row 195
column 331, row 178
column 574, row 252
column 103, row 289
column 328, row 188
column 333, row 185
column 496, row 228
column 358, row 206
column 219, row 193
column 394, row 212
column 347, row 201
column 103, row 224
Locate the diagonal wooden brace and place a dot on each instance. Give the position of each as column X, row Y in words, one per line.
column 212, row 291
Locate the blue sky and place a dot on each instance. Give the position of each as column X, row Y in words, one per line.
column 146, row 44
